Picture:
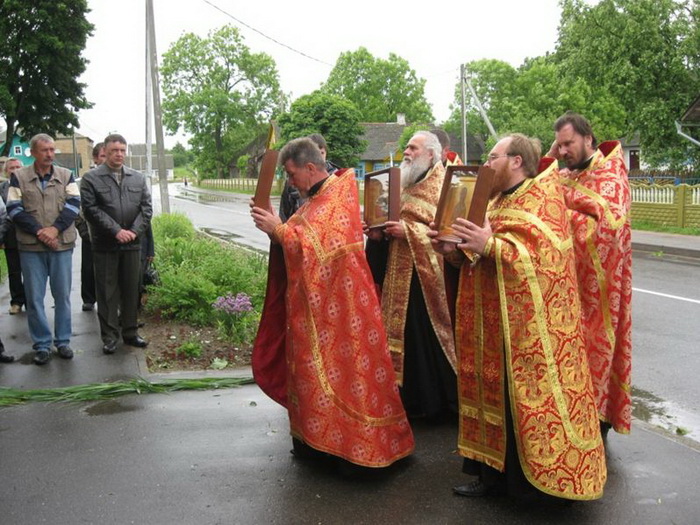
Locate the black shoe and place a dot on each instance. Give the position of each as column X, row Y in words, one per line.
column 65, row 352
column 42, row 357
column 4, row 358
column 109, row 347
column 137, row 341
column 475, row 489
column 88, row 307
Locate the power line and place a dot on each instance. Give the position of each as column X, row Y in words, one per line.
column 266, row 36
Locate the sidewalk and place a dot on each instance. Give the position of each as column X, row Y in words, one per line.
column 223, row 456
column 666, row 243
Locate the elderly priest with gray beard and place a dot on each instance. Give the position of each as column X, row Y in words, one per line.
column 414, row 302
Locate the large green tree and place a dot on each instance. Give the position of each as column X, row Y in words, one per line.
column 337, row 119
column 40, row 65
column 379, row 88
column 219, row 92
column 529, row 99
column 646, row 54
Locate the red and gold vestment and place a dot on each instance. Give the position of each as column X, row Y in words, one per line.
column 599, row 200
column 518, row 321
column 418, row 205
column 340, row 390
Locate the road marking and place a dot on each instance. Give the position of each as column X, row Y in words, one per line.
column 686, row 299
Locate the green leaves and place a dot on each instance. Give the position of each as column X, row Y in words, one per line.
column 379, row 88
column 103, row 391
column 337, row 119
column 218, row 91
column 39, row 69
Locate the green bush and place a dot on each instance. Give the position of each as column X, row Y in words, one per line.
column 196, row 270
column 190, row 349
column 172, row 226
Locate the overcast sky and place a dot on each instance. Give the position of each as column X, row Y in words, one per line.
column 435, row 38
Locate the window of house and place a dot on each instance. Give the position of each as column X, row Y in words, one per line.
column 360, row 170
column 17, row 150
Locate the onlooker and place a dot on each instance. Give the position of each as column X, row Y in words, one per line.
column 43, row 201
column 4, row 358
column 87, row 272
column 117, row 208
column 449, row 157
column 14, row 268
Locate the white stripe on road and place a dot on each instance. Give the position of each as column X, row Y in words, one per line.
column 696, row 301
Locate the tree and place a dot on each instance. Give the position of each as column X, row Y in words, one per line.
column 530, row 98
column 220, row 92
column 337, row 119
column 42, row 41
column 646, row 54
column 380, row 89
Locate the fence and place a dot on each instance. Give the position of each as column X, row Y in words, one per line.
column 240, row 185
column 666, row 205
column 661, row 204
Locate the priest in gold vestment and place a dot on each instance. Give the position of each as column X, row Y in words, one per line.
column 413, row 295
column 334, row 373
column 528, row 422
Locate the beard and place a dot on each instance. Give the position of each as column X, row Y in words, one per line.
column 411, row 170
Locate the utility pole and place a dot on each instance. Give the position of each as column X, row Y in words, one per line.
column 162, row 170
column 465, row 152
column 149, row 109
column 481, row 109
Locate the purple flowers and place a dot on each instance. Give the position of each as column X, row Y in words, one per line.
column 233, row 305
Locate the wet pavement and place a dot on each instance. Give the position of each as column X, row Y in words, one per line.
column 223, row 457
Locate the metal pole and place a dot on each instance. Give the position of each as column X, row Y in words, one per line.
column 149, row 108
column 75, row 157
column 465, row 152
column 162, row 170
column 481, row 108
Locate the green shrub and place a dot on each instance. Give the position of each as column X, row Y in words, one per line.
column 172, row 226
column 190, row 349
column 195, row 271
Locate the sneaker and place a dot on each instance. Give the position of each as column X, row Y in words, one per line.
column 65, row 352
column 88, row 307
column 4, row 358
column 42, row 357
column 15, row 309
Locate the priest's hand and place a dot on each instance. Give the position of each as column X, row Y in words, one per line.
column 264, row 220
column 395, row 229
column 473, row 237
column 441, row 247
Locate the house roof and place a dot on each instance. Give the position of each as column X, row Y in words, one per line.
column 382, row 139
column 692, row 114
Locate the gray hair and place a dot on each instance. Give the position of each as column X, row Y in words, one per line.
column 301, row 151
column 432, row 144
column 39, row 137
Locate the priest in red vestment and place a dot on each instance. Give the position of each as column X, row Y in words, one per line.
column 528, row 419
column 597, row 193
column 334, row 373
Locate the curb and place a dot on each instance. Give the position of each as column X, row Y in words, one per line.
column 666, row 250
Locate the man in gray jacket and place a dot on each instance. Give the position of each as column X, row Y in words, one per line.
column 117, row 207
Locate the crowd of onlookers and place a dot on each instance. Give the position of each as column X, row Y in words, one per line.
column 42, row 212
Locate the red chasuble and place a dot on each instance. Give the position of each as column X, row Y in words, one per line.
column 599, row 200
column 339, row 386
column 518, row 321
